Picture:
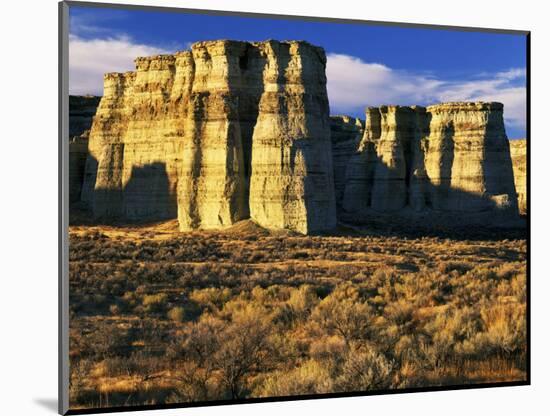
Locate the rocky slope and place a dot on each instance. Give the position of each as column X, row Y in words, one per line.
column 450, row 157
column 225, row 131
column 518, row 151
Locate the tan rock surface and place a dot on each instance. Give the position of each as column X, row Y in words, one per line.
column 345, row 133
column 356, row 198
column 450, row 157
column 82, row 109
column 177, row 135
column 518, row 151
column 468, row 158
column 78, row 152
column 292, row 183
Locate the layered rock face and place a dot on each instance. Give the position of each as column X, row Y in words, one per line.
column 214, row 135
column 292, row 184
column 78, row 152
column 450, row 157
column 82, row 109
column 81, row 112
column 518, row 151
column 346, row 133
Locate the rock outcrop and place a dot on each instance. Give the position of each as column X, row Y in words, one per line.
column 450, row 157
column 292, row 183
column 78, row 152
column 81, row 112
column 232, row 130
column 226, row 131
column 82, row 109
column 518, row 151
column 346, row 133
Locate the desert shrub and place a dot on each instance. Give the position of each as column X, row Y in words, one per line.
column 330, row 351
column 302, row 301
column 245, row 349
column 79, row 372
column 108, row 342
column 194, row 378
column 211, row 298
column 505, row 328
column 155, row 303
column 451, row 333
column 176, row 314
column 193, row 383
column 363, row 369
column 508, row 270
column 433, row 311
column 400, row 313
column 309, row 378
column 343, row 313
column 460, row 267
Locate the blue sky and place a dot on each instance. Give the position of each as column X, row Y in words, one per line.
column 366, row 65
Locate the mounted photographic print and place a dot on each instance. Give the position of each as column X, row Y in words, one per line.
column 261, row 208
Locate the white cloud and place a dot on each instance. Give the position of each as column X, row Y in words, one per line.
column 89, row 59
column 354, row 84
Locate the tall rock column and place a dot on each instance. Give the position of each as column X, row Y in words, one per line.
column 518, row 152
column 213, row 185
column 468, row 158
column 216, row 134
column 392, row 170
column 418, row 182
column 292, row 183
column 446, row 157
column 345, row 133
column 152, row 142
column 356, row 198
column 101, row 189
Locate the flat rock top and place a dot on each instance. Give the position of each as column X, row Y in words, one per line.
column 439, row 107
column 466, row 106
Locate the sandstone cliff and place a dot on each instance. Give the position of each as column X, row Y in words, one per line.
column 450, row 157
column 292, row 183
column 81, row 112
column 82, row 109
column 78, row 152
column 346, row 133
column 225, row 131
column 518, row 151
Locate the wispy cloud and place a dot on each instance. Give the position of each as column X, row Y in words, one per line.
column 96, row 47
column 354, row 84
column 89, row 59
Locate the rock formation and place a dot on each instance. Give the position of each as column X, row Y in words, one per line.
column 81, row 112
column 450, row 157
column 78, row 152
column 233, row 130
column 82, row 109
column 346, row 133
column 518, row 151
column 292, row 184
column 225, row 131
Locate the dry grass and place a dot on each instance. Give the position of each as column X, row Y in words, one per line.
column 159, row 316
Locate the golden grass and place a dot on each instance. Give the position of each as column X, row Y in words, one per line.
column 159, row 316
